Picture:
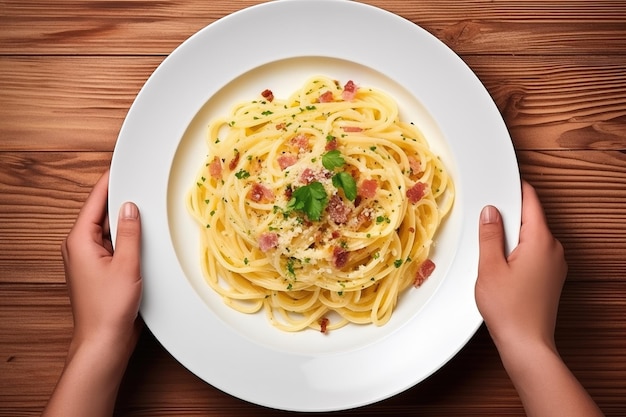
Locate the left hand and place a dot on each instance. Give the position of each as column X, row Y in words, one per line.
column 104, row 285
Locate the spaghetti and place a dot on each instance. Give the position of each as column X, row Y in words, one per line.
column 319, row 209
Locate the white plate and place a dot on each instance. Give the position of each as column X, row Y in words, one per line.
column 278, row 45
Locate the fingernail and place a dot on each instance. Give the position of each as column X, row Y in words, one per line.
column 129, row 211
column 489, row 214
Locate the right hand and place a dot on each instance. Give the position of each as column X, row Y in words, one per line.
column 518, row 295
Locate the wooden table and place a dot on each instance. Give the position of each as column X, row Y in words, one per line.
column 70, row 69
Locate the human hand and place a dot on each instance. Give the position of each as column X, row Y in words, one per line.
column 104, row 286
column 105, row 291
column 518, row 295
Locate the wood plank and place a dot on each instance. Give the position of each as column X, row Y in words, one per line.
column 469, row 27
column 68, row 103
column 583, row 192
column 558, row 103
column 79, row 103
column 584, row 196
column 40, row 196
column 35, row 328
column 93, row 27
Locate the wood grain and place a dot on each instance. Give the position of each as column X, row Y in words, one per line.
column 586, row 208
column 476, row 27
column 67, row 103
column 40, row 196
column 79, row 103
column 586, row 308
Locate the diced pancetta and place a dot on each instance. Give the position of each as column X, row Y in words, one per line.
column 353, row 129
column 340, row 257
column 415, row 193
column 260, row 193
column 337, row 210
column 425, row 270
column 268, row 95
column 215, row 168
column 308, row 176
column 331, row 144
column 324, row 324
column 233, row 162
column 268, row 241
column 301, row 141
column 349, row 91
column 415, row 165
column 287, row 160
column 367, row 188
column 326, row 97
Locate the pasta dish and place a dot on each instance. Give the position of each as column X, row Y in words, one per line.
column 319, row 209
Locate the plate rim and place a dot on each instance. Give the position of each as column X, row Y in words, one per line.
column 118, row 194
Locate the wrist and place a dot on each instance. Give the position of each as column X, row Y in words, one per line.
column 91, row 378
column 522, row 356
column 111, row 348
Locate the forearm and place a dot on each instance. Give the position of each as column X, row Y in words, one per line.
column 89, row 383
column 545, row 384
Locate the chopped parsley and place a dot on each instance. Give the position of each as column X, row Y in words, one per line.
column 290, row 269
column 310, row 199
column 242, row 174
column 346, row 182
column 333, row 159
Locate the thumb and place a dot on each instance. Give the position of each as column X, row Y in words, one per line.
column 128, row 242
column 490, row 239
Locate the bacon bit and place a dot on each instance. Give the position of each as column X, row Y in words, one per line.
column 268, row 241
column 233, row 163
column 287, row 160
column 415, row 165
column 268, row 95
column 425, row 270
column 340, row 257
column 281, row 126
column 350, row 129
column 349, row 91
column 331, row 145
column 337, row 210
column 326, row 97
column 301, row 141
column 260, row 193
column 416, row 192
column 307, row 176
column 367, row 188
column 324, row 324
column 336, row 234
column 412, row 229
column 215, row 168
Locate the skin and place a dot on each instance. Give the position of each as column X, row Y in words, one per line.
column 518, row 297
column 105, row 291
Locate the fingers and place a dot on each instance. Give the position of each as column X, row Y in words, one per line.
column 490, row 238
column 533, row 216
column 128, row 241
column 94, row 209
column 89, row 223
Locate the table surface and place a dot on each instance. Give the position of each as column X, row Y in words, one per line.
column 70, row 69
